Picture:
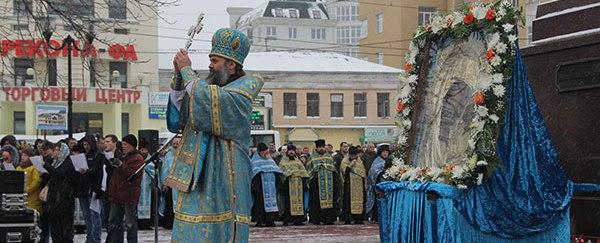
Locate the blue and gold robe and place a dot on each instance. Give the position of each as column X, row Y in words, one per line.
column 212, row 168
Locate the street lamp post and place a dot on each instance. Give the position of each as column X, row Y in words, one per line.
column 69, row 43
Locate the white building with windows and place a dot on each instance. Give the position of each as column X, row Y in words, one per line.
column 112, row 78
column 348, row 28
column 286, row 25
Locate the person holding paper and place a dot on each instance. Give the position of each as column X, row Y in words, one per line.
column 60, row 204
column 89, row 187
column 32, row 180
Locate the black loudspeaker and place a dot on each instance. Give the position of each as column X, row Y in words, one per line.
column 151, row 137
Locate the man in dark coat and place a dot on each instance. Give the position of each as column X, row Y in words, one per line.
column 124, row 195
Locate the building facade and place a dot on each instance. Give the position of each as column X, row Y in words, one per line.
column 348, row 29
column 322, row 95
column 286, row 25
column 112, row 78
column 389, row 26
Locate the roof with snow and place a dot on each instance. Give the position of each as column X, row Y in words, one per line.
column 300, row 61
column 302, row 9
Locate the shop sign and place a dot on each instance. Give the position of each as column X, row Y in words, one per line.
column 60, row 94
column 157, row 112
column 258, row 120
column 39, row 49
column 158, row 98
column 379, row 134
column 51, row 117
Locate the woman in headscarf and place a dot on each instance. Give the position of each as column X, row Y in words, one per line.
column 60, row 204
column 383, row 155
column 9, row 158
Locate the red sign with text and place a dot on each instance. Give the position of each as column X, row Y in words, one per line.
column 60, row 94
column 39, row 48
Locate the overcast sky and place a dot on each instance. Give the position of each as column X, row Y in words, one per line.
column 183, row 16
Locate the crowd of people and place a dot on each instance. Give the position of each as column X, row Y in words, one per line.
column 106, row 196
column 289, row 184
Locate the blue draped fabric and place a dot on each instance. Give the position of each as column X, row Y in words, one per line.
column 527, row 200
column 264, row 165
column 376, row 168
column 267, row 168
column 144, row 204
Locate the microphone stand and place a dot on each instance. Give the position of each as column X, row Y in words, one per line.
column 155, row 158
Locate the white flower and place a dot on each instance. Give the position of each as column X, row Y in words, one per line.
column 458, row 171
column 434, row 172
column 406, row 111
column 407, row 123
column 501, row 13
column 448, row 21
column 458, row 17
column 477, row 126
column 494, row 118
column 512, row 38
column 479, row 179
column 496, row 61
column 479, row 12
column 482, row 111
column 461, row 186
column 398, row 162
column 402, row 139
column 412, row 79
column 402, row 76
column 482, row 163
column 413, row 174
column 472, row 143
column 436, row 24
column 500, row 48
column 485, row 82
column 497, row 78
column 499, row 90
column 405, row 92
column 506, row 3
column 493, row 39
column 508, row 27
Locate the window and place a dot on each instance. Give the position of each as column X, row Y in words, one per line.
column 289, row 104
column 22, row 7
column 383, row 105
column 316, row 14
column 379, row 23
column 425, row 14
column 117, row 9
column 360, row 105
column 278, row 13
column 348, row 34
column 293, row 13
column 121, row 31
column 124, row 124
column 122, row 68
column 21, row 27
column 337, row 105
column 347, row 13
column 312, row 104
column 92, row 68
column 271, row 30
column 317, row 33
column 19, row 122
column 51, row 65
column 364, row 28
column 21, row 66
column 72, row 7
column 380, row 57
column 293, row 33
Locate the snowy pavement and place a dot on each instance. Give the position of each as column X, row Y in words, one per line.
column 368, row 232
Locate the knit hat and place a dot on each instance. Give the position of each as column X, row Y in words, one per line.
column 131, row 140
column 262, row 147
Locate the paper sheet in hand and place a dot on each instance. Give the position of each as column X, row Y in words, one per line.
column 79, row 162
column 95, row 203
column 38, row 163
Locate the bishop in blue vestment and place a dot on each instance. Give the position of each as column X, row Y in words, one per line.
column 211, row 168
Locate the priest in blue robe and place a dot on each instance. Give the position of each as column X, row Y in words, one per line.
column 266, row 175
column 211, row 168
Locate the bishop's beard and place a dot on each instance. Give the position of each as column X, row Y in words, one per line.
column 219, row 77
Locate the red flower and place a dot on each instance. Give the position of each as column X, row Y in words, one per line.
column 408, row 67
column 489, row 54
column 478, row 98
column 469, row 18
column 400, row 106
column 490, row 15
